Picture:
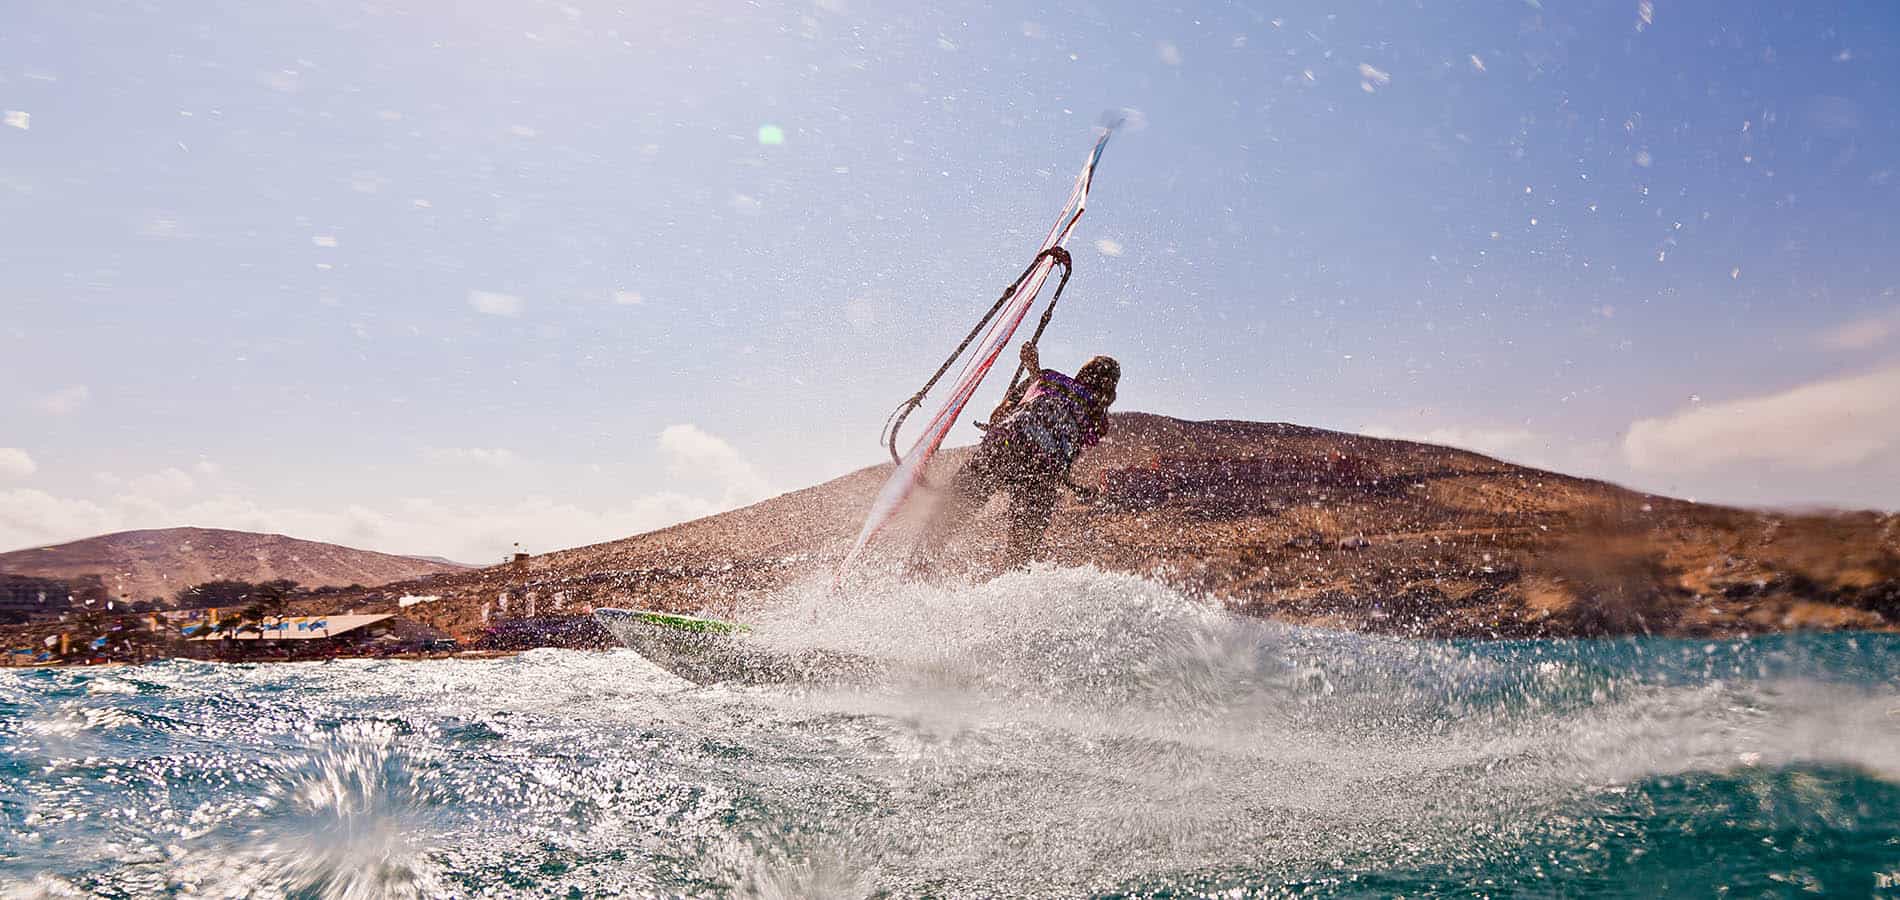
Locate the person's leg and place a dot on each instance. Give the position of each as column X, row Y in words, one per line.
column 1031, row 506
column 969, row 490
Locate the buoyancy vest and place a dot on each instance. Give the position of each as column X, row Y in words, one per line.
column 1057, row 417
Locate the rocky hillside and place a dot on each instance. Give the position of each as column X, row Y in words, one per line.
column 1287, row 522
column 143, row 565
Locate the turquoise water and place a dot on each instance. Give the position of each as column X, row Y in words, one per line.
column 1053, row 734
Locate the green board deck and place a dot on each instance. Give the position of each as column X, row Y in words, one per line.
column 710, row 651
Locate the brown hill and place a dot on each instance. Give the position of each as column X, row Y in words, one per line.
column 143, row 565
column 1288, row 522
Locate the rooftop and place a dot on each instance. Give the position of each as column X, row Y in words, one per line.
column 292, row 628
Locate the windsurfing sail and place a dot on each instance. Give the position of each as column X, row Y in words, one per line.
column 1012, row 308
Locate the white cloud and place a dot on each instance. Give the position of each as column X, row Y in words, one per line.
column 32, row 518
column 1863, row 333
column 1518, row 444
column 16, row 463
column 163, row 485
column 20, row 119
column 693, row 453
column 323, row 240
column 1826, row 424
column 496, row 457
column 494, row 304
column 1588, row 458
column 1108, row 247
column 628, row 298
column 747, row 204
column 64, row 401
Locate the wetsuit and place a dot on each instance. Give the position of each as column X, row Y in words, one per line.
column 1029, row 453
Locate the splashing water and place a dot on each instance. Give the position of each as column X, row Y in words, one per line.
column 1052, row 733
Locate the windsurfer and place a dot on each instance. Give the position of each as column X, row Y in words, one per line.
column 1035, row 435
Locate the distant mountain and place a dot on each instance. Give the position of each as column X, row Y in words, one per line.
column 1285, row 522
column 142, row 565
column 443, row 560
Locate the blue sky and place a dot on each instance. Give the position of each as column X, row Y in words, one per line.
column 433, row 277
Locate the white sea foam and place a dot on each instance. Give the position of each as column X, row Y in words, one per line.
column 1051, row 732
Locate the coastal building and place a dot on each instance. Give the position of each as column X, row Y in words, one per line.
column 24, row 598
column 323, row 635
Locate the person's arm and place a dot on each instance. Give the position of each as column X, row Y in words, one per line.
column 1031, row 362
column 1031, row 365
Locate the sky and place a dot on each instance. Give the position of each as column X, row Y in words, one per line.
column 437, row 278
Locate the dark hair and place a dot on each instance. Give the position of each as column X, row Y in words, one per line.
column 1100, row 375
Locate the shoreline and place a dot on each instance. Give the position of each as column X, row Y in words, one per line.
column 406, row 657
column 486, row 654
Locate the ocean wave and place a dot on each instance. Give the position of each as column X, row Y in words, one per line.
column 1053, row 732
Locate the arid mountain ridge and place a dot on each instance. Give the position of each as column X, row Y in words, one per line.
column 1281, row 521
column 157, row 563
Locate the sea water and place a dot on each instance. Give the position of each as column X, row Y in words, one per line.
column 1056, row 733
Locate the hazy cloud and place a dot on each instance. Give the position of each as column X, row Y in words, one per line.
column 164, row 226
column 1826, row 424
column 64, row 401
column 16, row 463
column 494, row 304
column 713, row 476
column 628, row 298
column 287, row 81
column 1108, row 247
column 1863, row 333
column 1516, row 444
column 1168, row 53
column 18, row 119
column 31, row 518
column 860, row 313
column 693, row 453
column 163, row 485
column 496, row 457
column 473, row 532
